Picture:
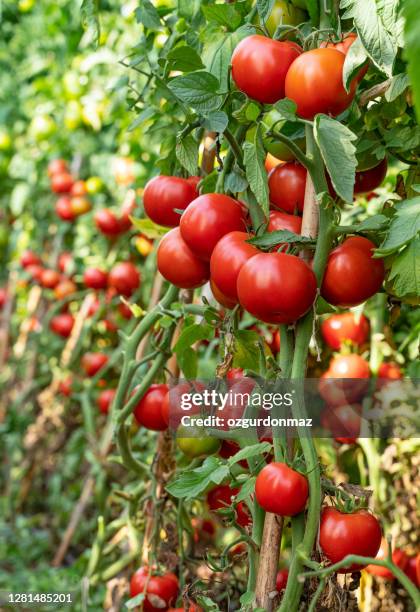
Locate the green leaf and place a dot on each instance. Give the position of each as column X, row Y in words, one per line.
column 256, row 174
column 248, row 112
column 322, row 306
column 355, row 58
column 313, row 10
column 216, row 121
column 198, row 90
column 287, row 109
column 399, row 84
column 247, row 599
column 218, row 51
column 405, row 271
column 271, row 239
column 192, row 483
column 147, row 14
column 208, row 604
column 235, row 181
column 250, row 451
column 412, row 48
column 379, row 43
column 89, row 11
column 188, row 363
column 247, row 349
column 247, row 489
column 264, row 8
column 223, row 14
column 208, row 183
column 405, row 225
column 191, row 334
column 335, row 141
column 184, row 58
column 373, row 224
column 187, row 153
column 149, row 228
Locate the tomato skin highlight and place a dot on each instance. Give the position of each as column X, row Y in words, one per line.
column 352, row 275
column 340, row 534
column 148, row 411
column 165, row 588
column 286, row 183
column 276, row 288
column 178, row 264
column 314, row 83
column 227, row 259
column 163, row 194
column 124, row 278
column 340, row 328
column 207, row 219
column 281, row 490
column 260, row 65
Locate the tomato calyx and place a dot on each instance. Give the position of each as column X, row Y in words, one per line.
column 345, row 498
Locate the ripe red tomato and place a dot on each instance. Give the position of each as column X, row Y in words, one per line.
column 352, row 275
column 62, row 183
column 349, row 366
column 35, row 272
column 65, row 262
column 79, row 189
column 260, row 65
column 64, row 288
column 191, row 608
column 390, row 371
column 281, row 579
column 343, row 46
column 368, row 180
column 161, row 590
column 283, row 221
column 207, row 219
column 124, row 278
column 221, row 298
column 333, row 386
column 203, row 530
column 287, row 186
column 80, row 205
column 63, row 209
column 221, row 497
column 57, row 166
column 345, row 327
column 62, row 324
column 343, row 422
column 398, row 557
column 315, row 83
column 125, row 311
column 194, row 181
column 227, row 259
column 50, row 278
column 107, row 222
column 105, row 399
column 94, row 278
column 65, row 386
column 163, row 194
column 340, row 534
column 28, row 258
column 93, row 362
column 276, row 288
column 3, row 296
column 178, row 264
column 281, row 490
column 148, row 411
column 412, row 569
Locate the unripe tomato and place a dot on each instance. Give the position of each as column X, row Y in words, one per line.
column 390, row 371
column 315, row 83
column 368, row 180
column 62, row 324
column 64, row 288
column 57, row 166
column 50, row 278
column 345, row 327
column 281, row 579
column 276, row 288
column 144, row 246
column 93, row 362
column 105, row 399
column 207, row 219
column 65, row 386
column 196, row 447
column 61, row 183
column 65, row 262
column 221, row 298
column 282, row 221
column 107, row 222
column 399, row 558
column 161, row 591
column 78, row 189
column 125, row 278
column 94, row 278
column 29, row 258
column 178, row 264
column 352, row 275
column 221, row 497
column 148, row 411
column 163, row 194
column 260, row 65
column 355, row 533
column 284, row 13
column 281, row 490
column 64, row 210
column 227, row 259
column 286, row 183
column 80, row 205
column 94, row 184
column 271, row 162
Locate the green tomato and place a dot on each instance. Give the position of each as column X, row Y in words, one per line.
column 94, row 184
column 72, row 85
column 5, row 141
column 196, row 446
column 73, row 115
column 285, row 14
column 42, row 127
column 271, row 145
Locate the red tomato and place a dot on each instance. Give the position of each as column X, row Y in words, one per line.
column 272, row 338
column 221, row 297
column 281, row 490
column 390, row 371
column 124, row 278
column 163, row 194
column 333, row 386
column 64, row 288
column 260, row 65
column 343, row 46
column 57, row 166
column 65, row 386
column 105, row 399
column 315, row 83
column 207, row 219
column 65, row 262
column 345, row 327
column 349, row 366
column 343, row 422
column 62, row 324
column 28, row 258
column 204, row 530
column 93, row 362
column 221, row 497
column 94, row 278
column 161, row 591
column 63, row 209
column 194, row 181
column 80, row 205
column 281, row 579
column 227, row 259
column 107, row 222
column 50, row 278
column 61, row 183
column 398, row 557
column 283, row 221
column 356, row 533
column 125, row 311
column 148, row 411
column 35, row 272
column 3, row 296
column 368, row 180
column 352, row 275
column 276, row 288
column 412, row 569
column 191, row 608
column 235, row 373
column 178, row 264
column 287, row 187
column 79, row 189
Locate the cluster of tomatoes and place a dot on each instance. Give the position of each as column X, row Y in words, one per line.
column 160, row 591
